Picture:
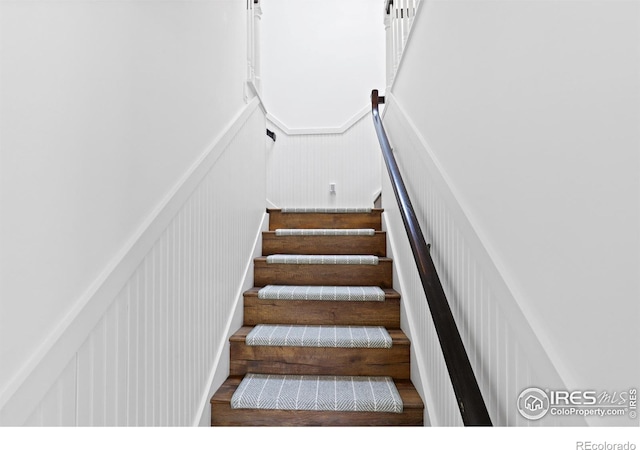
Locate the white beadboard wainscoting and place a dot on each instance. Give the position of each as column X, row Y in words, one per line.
column 505, row 353
column 302, row 164
column 157, row 352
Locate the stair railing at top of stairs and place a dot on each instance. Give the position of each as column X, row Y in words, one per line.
column 469, row 398
column 398, row 19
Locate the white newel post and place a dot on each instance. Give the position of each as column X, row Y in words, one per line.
column 253, row 80
column 249, row 40
column 257, row 16
column 395, row 26
column 389, row 49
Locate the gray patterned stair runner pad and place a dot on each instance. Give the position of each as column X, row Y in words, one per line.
column 326, row 210
column 324, row 293
column 317, row 393
column 323, row 259
column 342, row 336
column 325, row 232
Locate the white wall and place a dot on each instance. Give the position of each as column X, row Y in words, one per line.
column 321, row 59
column 502, row 347
column 161, row 348
column 319, row 62
column 301, row 167
column 531, row 112
column 104, row 107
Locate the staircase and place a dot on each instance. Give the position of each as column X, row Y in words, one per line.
column 321, row 342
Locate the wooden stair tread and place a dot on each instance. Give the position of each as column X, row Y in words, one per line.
column 409, row 394
column 253, row 292
column 263, row 259
column 223, row 415
column 272, row 210
column 279, row 210
column 273, row 233
column 398, row 336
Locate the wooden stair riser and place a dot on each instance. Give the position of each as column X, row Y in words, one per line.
column 223, row 415
column 393, row 362
column 324, row 245
column 277, row 219
column 324, row 274
column 309, row 312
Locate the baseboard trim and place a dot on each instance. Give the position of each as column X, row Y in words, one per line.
column 219, row 373
column 33, row 380
column 418, row 364
column 271, row 205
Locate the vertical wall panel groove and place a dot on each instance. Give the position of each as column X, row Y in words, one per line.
column 148, row 360
column 300, row 167
column 496, row 354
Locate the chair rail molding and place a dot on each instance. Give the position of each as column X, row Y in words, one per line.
column 484, row 300
column 61, row 361
column 326, row 130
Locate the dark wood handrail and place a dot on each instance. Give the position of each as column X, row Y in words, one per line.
column 465, row 385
